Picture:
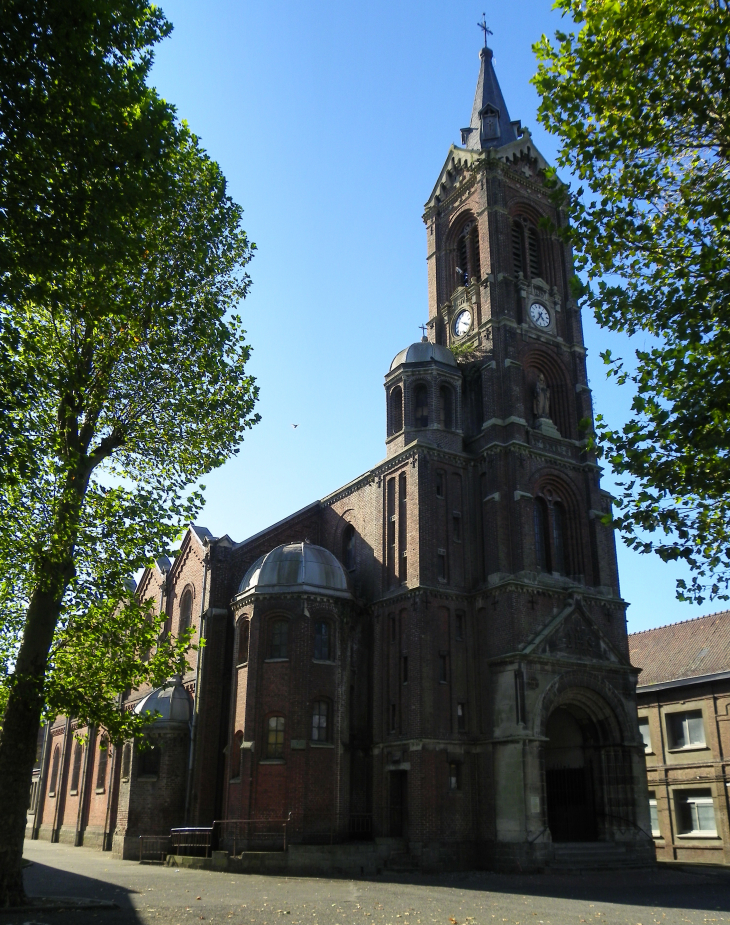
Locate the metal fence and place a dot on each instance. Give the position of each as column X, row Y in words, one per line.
column 329, row 828
column 239, row 835
column 194, row 841
column 153, row 849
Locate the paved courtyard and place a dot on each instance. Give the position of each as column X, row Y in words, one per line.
column 166, row 896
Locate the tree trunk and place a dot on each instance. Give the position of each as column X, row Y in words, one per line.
column 19, row 734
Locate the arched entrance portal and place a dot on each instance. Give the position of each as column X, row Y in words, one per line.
column 587, row 770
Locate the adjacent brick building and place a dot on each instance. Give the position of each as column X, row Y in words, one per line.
column 684, row 719
column 435, row 653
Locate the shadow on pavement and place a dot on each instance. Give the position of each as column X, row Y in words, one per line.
column 44, row 882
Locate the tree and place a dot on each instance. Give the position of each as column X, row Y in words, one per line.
column 123, row 366
column 639, row 100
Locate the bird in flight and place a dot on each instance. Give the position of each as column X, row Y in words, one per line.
column 295, row 426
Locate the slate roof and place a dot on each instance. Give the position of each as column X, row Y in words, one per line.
column 688, row 649
column 488, row 94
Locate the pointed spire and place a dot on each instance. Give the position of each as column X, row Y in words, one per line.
column 490, row 125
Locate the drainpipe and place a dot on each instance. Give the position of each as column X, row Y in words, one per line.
column 198, row 671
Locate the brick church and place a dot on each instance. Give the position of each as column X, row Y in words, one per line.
column 433, row 656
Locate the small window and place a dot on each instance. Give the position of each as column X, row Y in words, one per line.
column 322, row 646
column 559, row 539
column 686, row 730
column 405, row 669
column 443, row 668
column 275, row 737
column 236, row 755
column 439, row 484
column 392, row 717
column 392, row 628
column 461, row 717
column 533, row 250
column 348, row 547
column 186, row 611
column 126, row 761
column 279, row 639
column 441, row 564
column 695, row 812
column 654, row 815
column 457, row 526
column 149, row 761
column 244, row 632
column 396, row 410
column 542, row 543
column 76, row 768
column 420, row 406
column 320, row 721
column 459, row 624
column 103, row 759
column 446, row 408
column 54, row 771
column 454, row 775
column 644, row 732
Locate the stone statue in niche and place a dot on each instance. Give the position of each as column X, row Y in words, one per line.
column 541, row 398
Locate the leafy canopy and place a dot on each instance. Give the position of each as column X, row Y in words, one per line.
column 123, row 262
column 638, row 97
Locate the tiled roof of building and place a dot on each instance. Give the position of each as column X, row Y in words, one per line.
column 682, row 650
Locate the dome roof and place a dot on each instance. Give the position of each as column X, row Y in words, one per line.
column 171, row 701
column 423, row 351
column 296, row 567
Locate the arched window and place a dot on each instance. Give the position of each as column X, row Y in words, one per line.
column 542, row 535
column 322, row 640
column 320, row 721
column 76, row 768
column 396, row 410
column 279, row 647
column 236, row 755
column 54, row 771
column 533, row 251
column 446, row 407
column 149, row 761
column 103, row 759
column 126, row 761
column 348, row 547
column 186, row 611
column 244, row 629
column 559, row 564
column 526, row 249
column 420, row 405
column 275, row 737
column 467, row 267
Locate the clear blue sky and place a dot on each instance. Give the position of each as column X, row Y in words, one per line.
column 331, row 121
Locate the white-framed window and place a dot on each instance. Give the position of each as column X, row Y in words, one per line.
column 686, row 730
column 654, row 815
column 644, row 732
column 695, row 812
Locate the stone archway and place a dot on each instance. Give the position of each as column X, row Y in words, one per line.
column 587, row 768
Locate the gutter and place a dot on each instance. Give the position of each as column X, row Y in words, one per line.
column 683, row 682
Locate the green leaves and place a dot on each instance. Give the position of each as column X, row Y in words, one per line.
column 639, row 99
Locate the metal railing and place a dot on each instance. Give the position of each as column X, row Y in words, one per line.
column 153, row 849
column 329, row 828
column 239, row 835
column 195, row 841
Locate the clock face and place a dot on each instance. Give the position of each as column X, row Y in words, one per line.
column 539, row 315
column 462, row 323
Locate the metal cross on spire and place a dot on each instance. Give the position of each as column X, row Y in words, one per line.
column 485, row 28
column 423, row 330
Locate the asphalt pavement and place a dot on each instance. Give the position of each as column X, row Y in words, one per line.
column 146, row 894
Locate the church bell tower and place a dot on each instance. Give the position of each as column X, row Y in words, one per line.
column 522, row 686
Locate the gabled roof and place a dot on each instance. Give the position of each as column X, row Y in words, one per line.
column 691, row 649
